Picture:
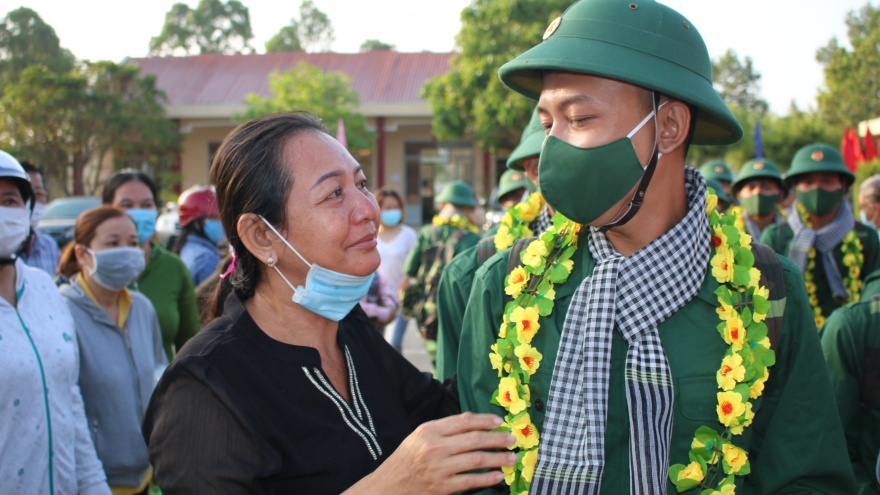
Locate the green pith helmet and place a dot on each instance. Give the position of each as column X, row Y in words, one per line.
column 717, row 170
column 510, row 181
column 529, row 144
column 757, row 168
column 641, row 42
column 458, row 193
column 818, row 157
column 719, row 191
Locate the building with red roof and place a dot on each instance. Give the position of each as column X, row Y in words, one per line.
column 206, row 92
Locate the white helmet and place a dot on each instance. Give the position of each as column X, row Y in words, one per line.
column 10, row 169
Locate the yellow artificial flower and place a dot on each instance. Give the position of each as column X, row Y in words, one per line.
column 534, row 254
column 754, row 277
column 757, row 388
column 508, row 396
column 820, row 321
column 529, row 358
column 730, row 407
column 527, row 325
column 849, row 259
column 509, row 473
column 529, row 460
column 568, row 264
column 496, row 359
column 711, row 203
column 750, row 415
column 529, row 210
column 722, row 264
column 505, row 324
column 726, row 490
column 736, row 457
column 745, row 240
column 507, row 220
column 811, row 254
column 503, row 238
column 516, row 282
column 693, row 471
column 525, row 432
column 731, row 372
column 734, row 333
column 763, row 292
column 726, row 311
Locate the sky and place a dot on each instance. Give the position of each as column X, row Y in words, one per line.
column 781, row 36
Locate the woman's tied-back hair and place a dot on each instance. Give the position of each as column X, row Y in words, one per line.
column 250, row 176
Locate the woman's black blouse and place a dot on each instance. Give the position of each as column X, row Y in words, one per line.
column 239, row 412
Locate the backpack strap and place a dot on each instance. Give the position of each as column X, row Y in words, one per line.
column 773, row 278
column 485, row 250
column 871, row 378
column 515, row 260
column 449, row 248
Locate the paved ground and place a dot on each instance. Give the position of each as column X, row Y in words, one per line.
column 414, row 348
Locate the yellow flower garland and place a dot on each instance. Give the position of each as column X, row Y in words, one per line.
column 546, row 261
column 456, row 221
column 744, row 367
column 516, row 220
column 853, row 259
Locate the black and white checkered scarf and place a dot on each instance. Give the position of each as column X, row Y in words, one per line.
column 542, row 222
column 825, row 239
column 633, row 296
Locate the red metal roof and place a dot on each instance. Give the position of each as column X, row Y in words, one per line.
column 214, row 79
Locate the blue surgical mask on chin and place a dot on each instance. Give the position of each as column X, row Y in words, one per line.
column 145, row 220
column 326, row 293
column 213, row 230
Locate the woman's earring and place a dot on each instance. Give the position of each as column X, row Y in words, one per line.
column 271, row 263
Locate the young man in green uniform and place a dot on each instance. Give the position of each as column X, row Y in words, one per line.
column 632, row 342
column 512, row 186
column 457, row 278
column 758, row 188
column 718, row 170
column 833, row 251
column 851, row 341
column 450, row 233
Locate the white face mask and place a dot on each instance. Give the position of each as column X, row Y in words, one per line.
column 15, row 226
column 38, row 214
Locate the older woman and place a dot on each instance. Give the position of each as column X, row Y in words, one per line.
column 289, row 391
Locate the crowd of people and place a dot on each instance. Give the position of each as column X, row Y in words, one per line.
column 629, row 325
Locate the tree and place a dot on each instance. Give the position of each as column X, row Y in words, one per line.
column 376, row 46
column 212, row 27
column 328, row 95
column 737, row 82
column 25, row 40
column 470, row 100
column 313, row 32
column 286, row 39
column 852, row 77
column 73, row 123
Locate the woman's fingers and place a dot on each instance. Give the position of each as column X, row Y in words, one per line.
column 473, row 461
column 481, row 440
column 461, row 423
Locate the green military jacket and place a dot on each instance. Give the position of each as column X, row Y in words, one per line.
column 452, row 297
column 779, row 237
column 795, row 444
column 845, row 336
column 424, row 241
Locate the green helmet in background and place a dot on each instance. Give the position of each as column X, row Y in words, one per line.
column 818, row 157
column 719, row 191
column 458, row 193
column 644, row 43
column 510, row 181
column 757, row 168
column 529, row 144
column 717, row 170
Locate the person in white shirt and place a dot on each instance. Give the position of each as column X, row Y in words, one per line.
column 395, row 241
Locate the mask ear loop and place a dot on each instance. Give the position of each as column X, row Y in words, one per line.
column 632, row 207
column 275, row 265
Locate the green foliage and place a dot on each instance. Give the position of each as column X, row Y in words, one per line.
column 852, row 77
column 69, row 124
column 737, row 82
column 25, row 40
column 376, row 46
column 285, row 40
column 329, row 95
column 212, row 27
column 313, row 32
column 470, row 100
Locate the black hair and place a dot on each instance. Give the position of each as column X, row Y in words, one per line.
column 124, row 176
column 250, row 176
column 30, row 168
column 196, row 227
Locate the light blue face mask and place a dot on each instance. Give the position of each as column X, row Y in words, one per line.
column 391, row 217
column 326, row 293
column 145, row 220
column 213, row 229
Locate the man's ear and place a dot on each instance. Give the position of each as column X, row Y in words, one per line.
column 257, row 237
column 673, row 125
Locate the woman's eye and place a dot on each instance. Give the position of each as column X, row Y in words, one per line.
column 336, row 193
column 364, row 184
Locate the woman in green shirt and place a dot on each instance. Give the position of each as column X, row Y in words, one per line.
column 165, row 281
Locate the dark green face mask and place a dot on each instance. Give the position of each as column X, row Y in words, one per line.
column 760, row 205
column 820, row 202
column 584, row 183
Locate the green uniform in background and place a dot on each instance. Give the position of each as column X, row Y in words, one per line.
column 795, row 444
column 779, row 236
column 850, row 339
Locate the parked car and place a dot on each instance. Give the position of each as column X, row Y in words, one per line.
column 61, row 216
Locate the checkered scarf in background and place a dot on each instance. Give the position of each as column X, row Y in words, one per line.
column 542, row 222
column 825, row 239
column 632, row 295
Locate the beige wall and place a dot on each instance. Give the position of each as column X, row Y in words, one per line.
column 198, row 134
